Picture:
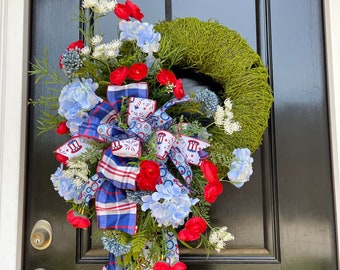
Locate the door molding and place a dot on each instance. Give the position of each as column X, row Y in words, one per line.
column 332, row 33
column 14, row 29
column 13, row 90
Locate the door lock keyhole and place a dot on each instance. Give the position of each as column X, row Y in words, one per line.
column 41, row 235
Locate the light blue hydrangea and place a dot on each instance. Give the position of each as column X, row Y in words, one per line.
column 113, row 246
column 241, row 168
column 75, row 100
column 143, row 32
column 65, row 186
column 169, row 205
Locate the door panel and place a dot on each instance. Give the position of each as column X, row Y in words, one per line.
column 283, row 218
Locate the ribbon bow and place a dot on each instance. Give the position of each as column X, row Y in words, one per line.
column 114, row 175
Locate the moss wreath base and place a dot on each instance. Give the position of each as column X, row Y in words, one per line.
column 222, row 54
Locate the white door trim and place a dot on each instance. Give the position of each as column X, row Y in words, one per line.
column 14, row 23
column 332, row 36
column 14, row 32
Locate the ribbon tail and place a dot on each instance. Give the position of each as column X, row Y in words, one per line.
column 112, row 263
column 172, row 251
column 91, row 187
column 114, row 210
column 182, row 165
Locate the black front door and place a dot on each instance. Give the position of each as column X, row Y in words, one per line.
column 284, row 217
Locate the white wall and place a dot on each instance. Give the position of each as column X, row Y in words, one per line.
column 14, row 18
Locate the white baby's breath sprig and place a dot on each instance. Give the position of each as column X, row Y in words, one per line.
column 107, row 51
column 224, row 118
column 219, row 237
column 85, row 51
column 96, row 40
column 100, row 6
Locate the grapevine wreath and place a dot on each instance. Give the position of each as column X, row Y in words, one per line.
column 145, row 152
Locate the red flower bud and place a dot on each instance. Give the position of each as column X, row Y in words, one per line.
column 212, row 191
column 77, row 220
column 178, row 89
column 62, row 128
column 209, row 171
column 60, row 61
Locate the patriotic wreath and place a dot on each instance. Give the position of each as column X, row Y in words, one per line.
column 148, row 155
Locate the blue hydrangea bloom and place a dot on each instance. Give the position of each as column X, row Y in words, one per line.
column 241, row 168
column 65, row 186
column 75, row 100
column 143, row 32
column 128, row 30
column 169, row 205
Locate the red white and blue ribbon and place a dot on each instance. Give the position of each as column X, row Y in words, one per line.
column 114, row 210
column 114, row 173
column 115, row 170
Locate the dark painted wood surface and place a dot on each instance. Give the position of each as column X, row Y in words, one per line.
column 283, row 218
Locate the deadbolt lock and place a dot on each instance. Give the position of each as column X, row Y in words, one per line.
column 41, row 235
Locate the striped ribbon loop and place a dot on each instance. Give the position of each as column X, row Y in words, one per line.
column 115, row 93
column 114, row 169
column 114, row 210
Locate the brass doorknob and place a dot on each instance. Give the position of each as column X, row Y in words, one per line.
column 41, row 235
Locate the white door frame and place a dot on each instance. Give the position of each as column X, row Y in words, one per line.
column 14, row 38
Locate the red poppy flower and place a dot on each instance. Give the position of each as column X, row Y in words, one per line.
column 165, row 77
column 179, row 266
column 118, row 76
column 166, row 266
column 122, row 11
column 161, row 266
column 178, row 89
column 212, row 191
column 138, row 71
column 196, row 224
column 134, row 10
column 187, row 236
column 192, row 229
column 79, row 44
column 209, row 171
column 62, row 128
column 77, row 220
column 149, row 175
